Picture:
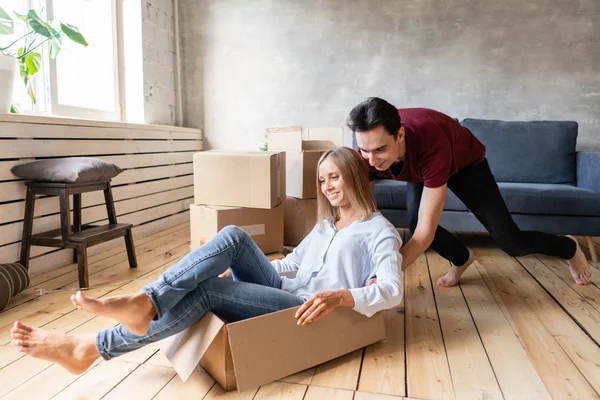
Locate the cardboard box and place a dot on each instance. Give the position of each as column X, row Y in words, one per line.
column 300, row 217
column 256, row 351
column 264, row 226
column 239, row 179
column 302, row 156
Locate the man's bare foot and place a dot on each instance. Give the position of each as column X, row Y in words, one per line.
column 75, row 353
column 455, row 272
column 580, row 270
column 133, row 311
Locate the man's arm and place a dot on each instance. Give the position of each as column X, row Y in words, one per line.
column 430, row 211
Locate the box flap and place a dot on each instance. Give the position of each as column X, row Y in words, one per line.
column 272, row 346
column 317, row 145
column 333, row 134
column 185, row 349
column 285, row 138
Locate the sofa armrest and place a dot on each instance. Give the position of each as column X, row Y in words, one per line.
column 588, row 170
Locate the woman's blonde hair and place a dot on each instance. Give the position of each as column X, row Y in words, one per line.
column 353, row 171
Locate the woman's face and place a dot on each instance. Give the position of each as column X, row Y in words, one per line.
column 332, row 184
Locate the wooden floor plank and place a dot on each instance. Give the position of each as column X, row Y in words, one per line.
column 45, row 385
column 98, row 381
column 143, row 383
column 425, row 352
column 383, row 368
column 590, row 292
column 575, row 304
column 560, row 375
column 281, row 390
column 196, row 387
column 517, row 377
column 321, row 393
column 374, row 396
column 340, row 373
column 218, row 393
column 472, row 374
column 302, row 377
column 19, row 372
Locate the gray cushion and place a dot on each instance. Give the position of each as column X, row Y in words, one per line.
column 67, row 170
column 520, row 198
column 539, row 198
column 528, row 152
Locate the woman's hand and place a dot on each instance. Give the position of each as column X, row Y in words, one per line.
column 321, row 304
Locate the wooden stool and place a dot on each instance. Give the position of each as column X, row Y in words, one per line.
column 77, row 236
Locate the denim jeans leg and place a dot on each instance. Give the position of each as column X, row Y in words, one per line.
column 230, row 300
column 231, row 247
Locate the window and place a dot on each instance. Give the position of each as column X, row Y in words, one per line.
column 82, row 81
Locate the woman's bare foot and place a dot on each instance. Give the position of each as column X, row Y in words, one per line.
column 455, row 272
column 133, row 311
column 75, row 353
column 580, row 270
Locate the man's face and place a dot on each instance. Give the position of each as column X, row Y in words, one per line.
column 380, row 148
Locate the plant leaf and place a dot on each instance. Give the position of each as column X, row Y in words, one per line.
column 33, row 61
column 73, row 33
column 30, row 92
column 39, row 26
column 55, row 45
column 7, row 25
column 14, row 109
column 21, row 17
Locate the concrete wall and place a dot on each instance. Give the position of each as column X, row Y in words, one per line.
column 252, row 64
column 158, row 45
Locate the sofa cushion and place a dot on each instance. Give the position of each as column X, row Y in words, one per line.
column 520, row 198
column 523, row 198
column 528, row 152
column 390, row 194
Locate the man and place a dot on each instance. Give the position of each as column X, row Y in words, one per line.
column 433, row 153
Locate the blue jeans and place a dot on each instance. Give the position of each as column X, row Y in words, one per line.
column 191, row 288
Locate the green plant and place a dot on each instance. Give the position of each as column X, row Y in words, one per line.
column 38, row 32
column 265, row 145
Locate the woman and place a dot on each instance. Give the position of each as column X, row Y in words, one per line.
column 350, row 243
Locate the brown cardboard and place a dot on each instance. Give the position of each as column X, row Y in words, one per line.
column 269, row 347
column 302, row 156
column 265, row 226
column 239, row 179
column 300, row 217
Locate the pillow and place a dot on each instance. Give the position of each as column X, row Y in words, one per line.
column 67, row 170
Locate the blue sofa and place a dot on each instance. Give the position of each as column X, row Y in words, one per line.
column 547, row 185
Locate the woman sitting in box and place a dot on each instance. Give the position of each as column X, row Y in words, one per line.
column 351, row 243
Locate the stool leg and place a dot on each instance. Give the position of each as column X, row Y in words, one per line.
column 65, row 215
column 76, row 218
column 82, row 266
column 130, row 249
column 27, row 227
column 110, row 204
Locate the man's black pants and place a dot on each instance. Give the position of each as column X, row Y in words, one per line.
column 476, row 187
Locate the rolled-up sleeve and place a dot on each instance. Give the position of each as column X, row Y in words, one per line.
column 388, row 291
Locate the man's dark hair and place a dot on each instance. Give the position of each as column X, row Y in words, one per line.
column 374, row 112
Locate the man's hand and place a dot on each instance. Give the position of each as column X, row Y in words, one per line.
column 372, row 281
column 323, row 303
column 226, row 274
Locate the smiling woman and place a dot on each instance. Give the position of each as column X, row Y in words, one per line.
column 334, row 262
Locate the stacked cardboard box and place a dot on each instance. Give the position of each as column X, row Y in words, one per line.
column 239, row 188
column 302, row 155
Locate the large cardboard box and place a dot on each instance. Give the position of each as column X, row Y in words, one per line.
column 300, row 217
column 239, row 179
column 256, row 351
column 302, row 156
column 264, row 226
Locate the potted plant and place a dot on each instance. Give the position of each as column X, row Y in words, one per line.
column 21, row 54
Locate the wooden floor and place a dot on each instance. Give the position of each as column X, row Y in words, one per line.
column 514, row 329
